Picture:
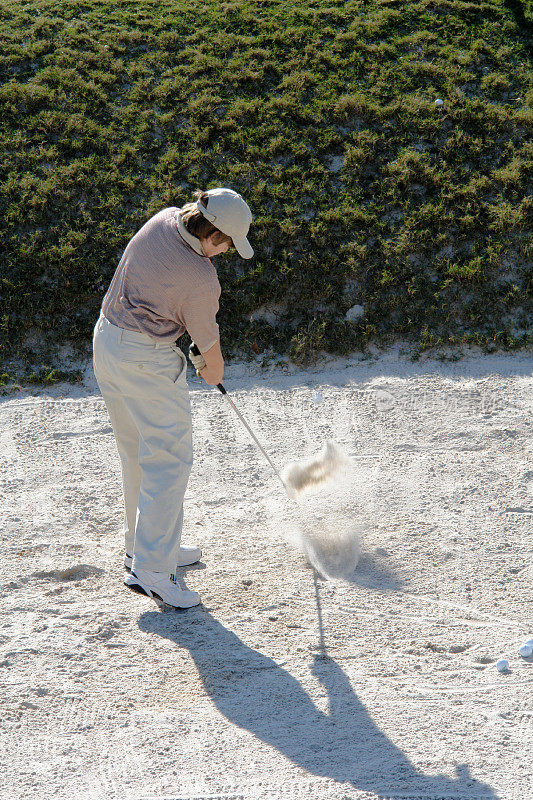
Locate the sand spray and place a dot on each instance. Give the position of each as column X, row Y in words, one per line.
column 325, row 520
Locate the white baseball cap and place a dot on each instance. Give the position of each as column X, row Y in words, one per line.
column 230, row 214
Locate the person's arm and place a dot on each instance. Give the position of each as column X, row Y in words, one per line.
column 198, row 311
column 213, row 371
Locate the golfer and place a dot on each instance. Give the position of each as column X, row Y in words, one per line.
column 164, row 285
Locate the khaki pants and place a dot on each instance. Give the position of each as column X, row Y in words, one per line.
column 144, row 385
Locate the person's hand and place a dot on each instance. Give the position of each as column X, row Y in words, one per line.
column 198, row 361
column 213, row 370
column 211, row 376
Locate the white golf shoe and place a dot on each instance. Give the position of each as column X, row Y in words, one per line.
column 187, row 556
column 162, row 588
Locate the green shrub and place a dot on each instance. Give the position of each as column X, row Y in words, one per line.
column 324, row 117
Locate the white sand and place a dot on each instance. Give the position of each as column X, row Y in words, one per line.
column 106, row 697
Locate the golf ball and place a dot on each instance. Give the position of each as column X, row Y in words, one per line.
column 439, row 102
column 526, row 650
column 502, row 665
column 317, row 397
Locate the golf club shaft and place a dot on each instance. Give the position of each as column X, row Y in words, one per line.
column 195, row 350
column 222, row 389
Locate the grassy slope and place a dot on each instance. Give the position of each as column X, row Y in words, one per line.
column 322, row 114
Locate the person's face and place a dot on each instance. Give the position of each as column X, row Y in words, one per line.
column 211, row 249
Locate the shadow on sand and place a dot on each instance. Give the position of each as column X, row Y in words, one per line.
column 373, row 573
column 257, row 695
